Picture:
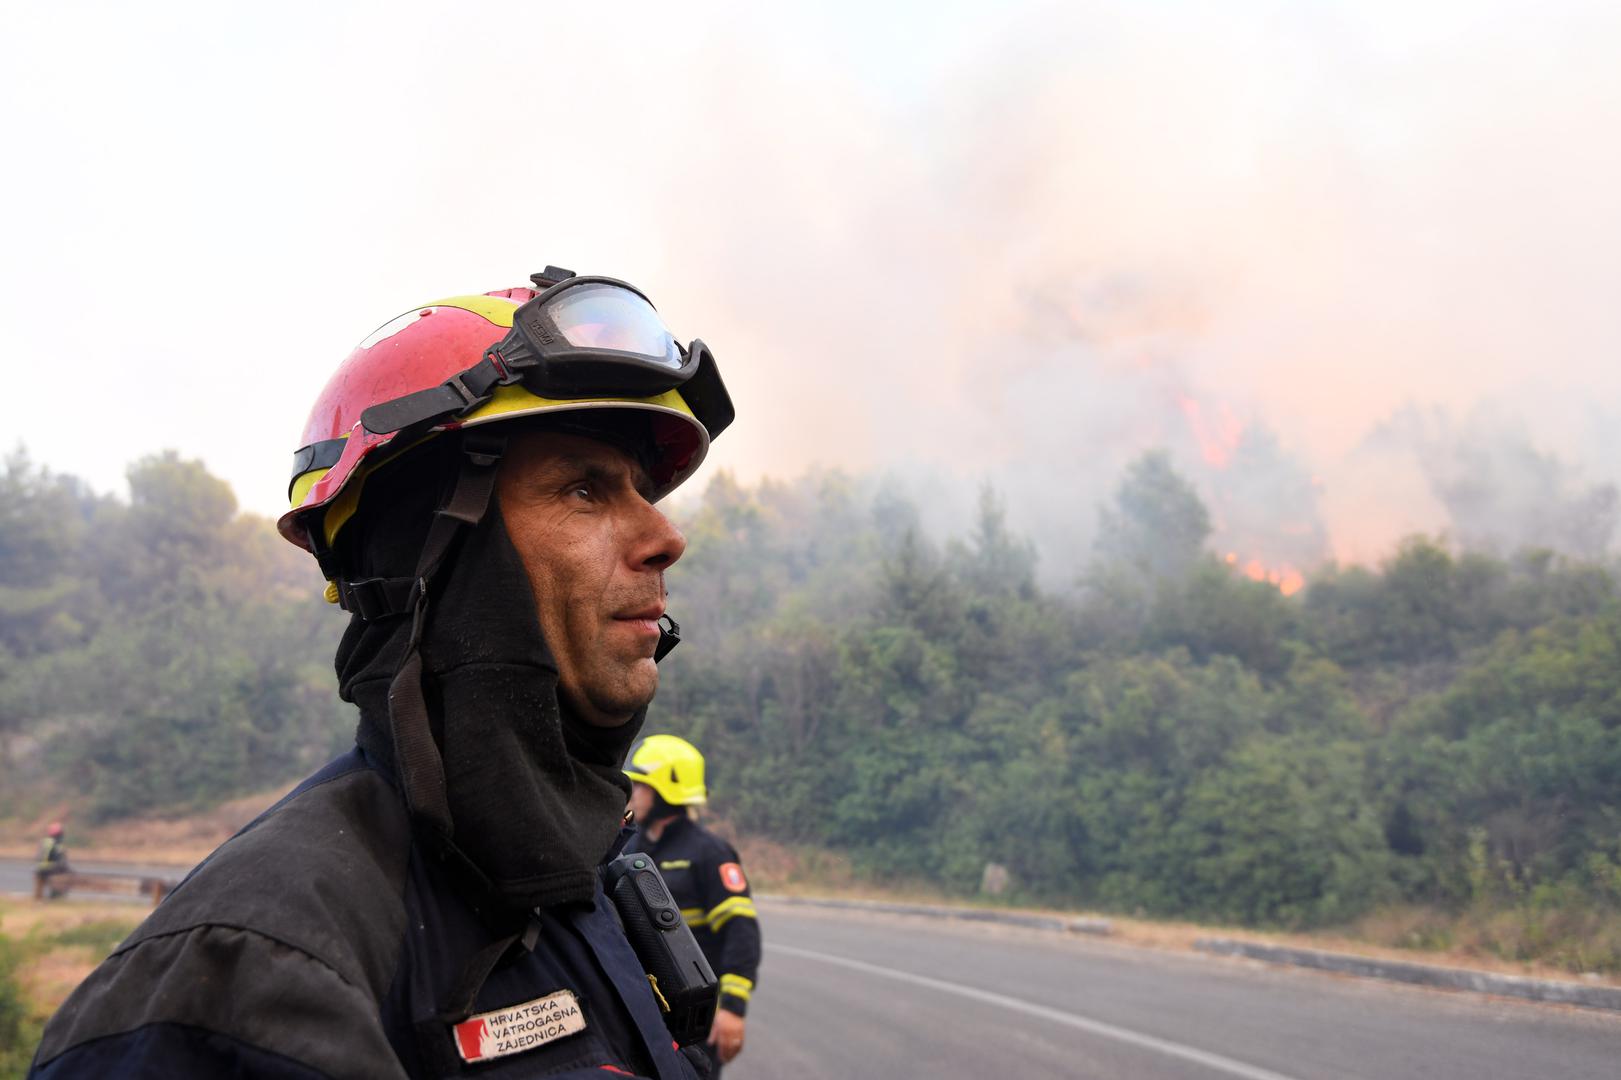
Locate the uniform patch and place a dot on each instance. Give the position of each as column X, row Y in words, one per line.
column 519, row 1027
column 731, row 876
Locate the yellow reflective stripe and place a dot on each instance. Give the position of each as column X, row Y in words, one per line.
column 497, row 309
column 725, row 911
column 301, row 486
column 515, row 399
column 343, row 506
column 675, row 864
column 737, row 986
column 694, row 916
column 745, row 913
column 729, row 904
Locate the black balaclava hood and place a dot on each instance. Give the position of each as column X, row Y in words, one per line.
column 536, row 794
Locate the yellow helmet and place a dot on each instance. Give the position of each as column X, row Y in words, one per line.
column 670, row 766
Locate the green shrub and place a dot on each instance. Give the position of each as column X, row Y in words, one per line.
column 103, row 935
column 19, row 1033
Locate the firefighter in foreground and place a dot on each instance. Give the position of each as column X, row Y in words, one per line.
column 477, row 483
column 703, row 873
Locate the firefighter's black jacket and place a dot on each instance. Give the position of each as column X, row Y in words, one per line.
column 336, row 936
column 322, row 942
column 707, row 880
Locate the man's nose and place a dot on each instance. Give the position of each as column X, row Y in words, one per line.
column 660, row 543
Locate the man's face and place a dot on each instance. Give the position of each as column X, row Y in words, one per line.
column 641, row 802
column 595, row 549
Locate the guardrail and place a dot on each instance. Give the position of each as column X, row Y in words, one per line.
column 50, row 884
column 1483, row 982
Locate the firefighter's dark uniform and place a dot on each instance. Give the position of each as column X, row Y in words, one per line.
column 706, row 878
column 338, row 937
column 323, row 942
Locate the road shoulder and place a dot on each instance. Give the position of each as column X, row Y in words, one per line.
column 1591, row 994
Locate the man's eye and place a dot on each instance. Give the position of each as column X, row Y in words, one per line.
column 580, row 491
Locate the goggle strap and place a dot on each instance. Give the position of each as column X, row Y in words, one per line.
column 482, row 450
column 705, row 393
column 460, row 394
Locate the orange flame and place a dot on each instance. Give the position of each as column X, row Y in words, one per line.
column 1286, row 578
column 1217, row 434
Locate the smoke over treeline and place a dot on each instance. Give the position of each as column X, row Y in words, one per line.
column 1343, row 265
column 1023, row 242
column 1480, row 485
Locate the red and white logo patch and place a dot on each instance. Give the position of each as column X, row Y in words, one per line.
column 519, row 1027
column 731, row 876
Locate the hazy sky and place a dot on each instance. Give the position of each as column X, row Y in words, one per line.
column 1017, row 241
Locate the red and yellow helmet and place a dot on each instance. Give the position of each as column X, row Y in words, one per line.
column 431, row 348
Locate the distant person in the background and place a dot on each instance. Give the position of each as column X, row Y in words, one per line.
column 704, row 875
column 53, row 859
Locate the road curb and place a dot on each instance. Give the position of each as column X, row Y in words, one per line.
column 1095, row 927
column 1549, row 990
column 1482, row 982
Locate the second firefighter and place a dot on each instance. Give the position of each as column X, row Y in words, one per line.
column 704, row 875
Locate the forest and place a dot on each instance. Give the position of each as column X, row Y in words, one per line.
column 1160, row 736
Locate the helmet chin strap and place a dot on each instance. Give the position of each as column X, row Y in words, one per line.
column 669, row 637
column 416, row 756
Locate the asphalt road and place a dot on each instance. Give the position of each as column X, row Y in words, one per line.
column 17, row 876
column 852, row 995
column 861, row 995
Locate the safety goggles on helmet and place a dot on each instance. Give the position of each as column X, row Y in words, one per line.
column 581, row 338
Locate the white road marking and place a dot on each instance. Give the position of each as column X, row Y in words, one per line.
column 1045, row 1012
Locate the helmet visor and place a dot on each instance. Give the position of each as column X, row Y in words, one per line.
column 596, row 315
column 581, row 338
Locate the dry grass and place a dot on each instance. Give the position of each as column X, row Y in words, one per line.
column 47, row 980
column 178, row 840
column 794, row 870
column 1566, row 940
column 61, row 942
column 774, row 867
column 21, row 919
column 1349, row 940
